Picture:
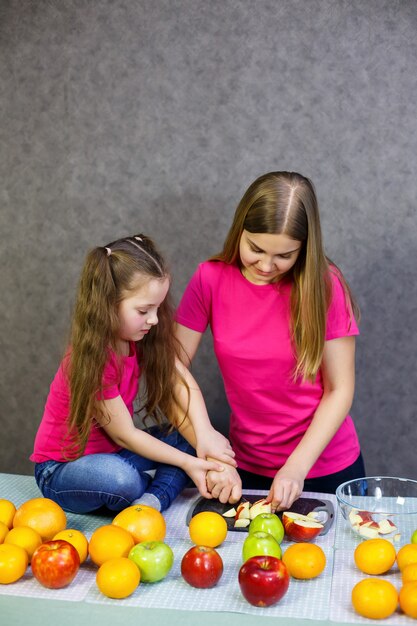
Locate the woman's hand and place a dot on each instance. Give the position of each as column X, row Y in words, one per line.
column 286, row 487
column 212, row 444
column 197, row 470
column 226, row 486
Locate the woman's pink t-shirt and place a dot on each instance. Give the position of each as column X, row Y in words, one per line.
column 120, row 378
column 251, row 335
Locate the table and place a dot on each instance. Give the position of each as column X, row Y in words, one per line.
column 18, row 610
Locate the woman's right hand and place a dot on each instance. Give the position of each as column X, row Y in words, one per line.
column 197, row 470
column 226, row 486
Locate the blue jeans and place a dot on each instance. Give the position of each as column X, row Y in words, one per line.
column 113, row 480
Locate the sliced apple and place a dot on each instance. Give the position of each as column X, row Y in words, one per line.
column 367, row 532
column 242, row 510
column 230, row 513
column 300, row 527
column 397, row 538
column 242, row 522
column 258, row 507
column 386, row 526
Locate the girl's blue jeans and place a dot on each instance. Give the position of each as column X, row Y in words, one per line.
column 113, row 480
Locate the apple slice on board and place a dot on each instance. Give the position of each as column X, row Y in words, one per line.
column 300, row 527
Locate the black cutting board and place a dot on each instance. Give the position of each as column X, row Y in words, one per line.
column 303, row 505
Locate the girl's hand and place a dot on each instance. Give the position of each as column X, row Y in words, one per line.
column 197, row 470
column 286, row 487
column 226, row 486
column 211, row 443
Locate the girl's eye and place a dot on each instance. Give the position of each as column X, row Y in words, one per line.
column 143, row 312
column 256, row 251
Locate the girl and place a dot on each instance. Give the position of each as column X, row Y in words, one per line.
column 88, row 452
column 283, row 327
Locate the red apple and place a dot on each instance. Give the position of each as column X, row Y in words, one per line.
column 300, row 527
column 263, row 580
column 201, row 567
column 55, row 563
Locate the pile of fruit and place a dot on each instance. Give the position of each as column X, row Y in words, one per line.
column 131, row 550
column 378, row 598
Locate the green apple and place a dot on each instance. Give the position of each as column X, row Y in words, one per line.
column 154, row 560
column 268, row 523
column 260, row 544
column 414, row 537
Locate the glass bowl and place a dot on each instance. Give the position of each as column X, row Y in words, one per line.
column 380, row 507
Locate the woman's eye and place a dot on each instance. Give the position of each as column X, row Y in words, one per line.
column 143, row 312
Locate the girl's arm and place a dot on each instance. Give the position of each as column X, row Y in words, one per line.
column 208, row 442
column 120, row 427
column 338, row 371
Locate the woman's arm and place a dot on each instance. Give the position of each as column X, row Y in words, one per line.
column 338, row 372
column 189, row 340
column 120, row 427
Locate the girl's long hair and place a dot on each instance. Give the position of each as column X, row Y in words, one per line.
column 286, row 203
column 109, row 275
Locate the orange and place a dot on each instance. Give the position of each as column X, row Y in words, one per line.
column 7, row 511
column 409, row 573
column 304, row 560
column 406, row 555
column 25, row 537
column 43, row 515
column 143, row 522
column 109, row 542
column 408, row 599
column 118, row 578
column 13, row 563
column 3, row 531
column 374, row 598
column 77, row 539
column 374, row 556
column 208, row 529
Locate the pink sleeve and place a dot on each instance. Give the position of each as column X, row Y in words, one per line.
column 194, row 308
column 340, row 319
column 111, row 380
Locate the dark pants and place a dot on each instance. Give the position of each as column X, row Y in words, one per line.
column 322, row 484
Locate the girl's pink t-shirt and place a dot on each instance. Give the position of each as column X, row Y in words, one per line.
column 120, row 378
column 270, row 412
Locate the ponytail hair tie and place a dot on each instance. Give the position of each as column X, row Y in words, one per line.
column 108, row 250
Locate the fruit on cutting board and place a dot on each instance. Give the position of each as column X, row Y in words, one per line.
column 207, row 529
column 260, row 544
column 247, row 511
column 374, row 556
column 263, row 580
column 55, row 564
column 154, row 560
column 300, row 527
column 202, row 567
column 374, row 598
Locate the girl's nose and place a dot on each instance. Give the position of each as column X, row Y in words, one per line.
column 266, row 265
column 152, row 319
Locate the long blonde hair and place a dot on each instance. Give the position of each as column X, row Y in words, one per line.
column 109, row 274
column 286, row 203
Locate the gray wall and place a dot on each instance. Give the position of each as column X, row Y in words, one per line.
column 155, row 115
